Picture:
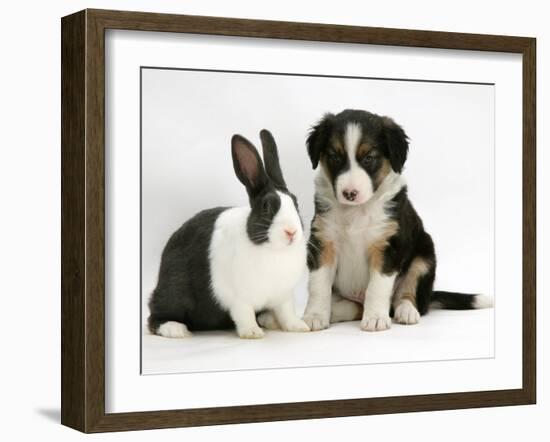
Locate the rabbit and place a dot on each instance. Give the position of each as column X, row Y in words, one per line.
column 225, row 266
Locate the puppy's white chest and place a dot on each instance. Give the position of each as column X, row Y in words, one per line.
column 354, row 232
column 360, row 227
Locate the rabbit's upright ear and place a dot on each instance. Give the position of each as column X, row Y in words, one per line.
column 271, row 159
column 248, row 165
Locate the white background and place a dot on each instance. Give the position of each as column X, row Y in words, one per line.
column 30, row 235
column 188, row 118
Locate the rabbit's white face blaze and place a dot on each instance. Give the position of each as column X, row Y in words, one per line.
column 286, row 227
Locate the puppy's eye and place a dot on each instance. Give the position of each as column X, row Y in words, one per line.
column 334, row 156
column 368, row 159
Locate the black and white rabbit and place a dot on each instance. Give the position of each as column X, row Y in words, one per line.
column 225, row 265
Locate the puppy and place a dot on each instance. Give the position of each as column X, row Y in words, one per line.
column 369, row 256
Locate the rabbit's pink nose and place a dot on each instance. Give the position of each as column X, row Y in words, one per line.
column 290, row 233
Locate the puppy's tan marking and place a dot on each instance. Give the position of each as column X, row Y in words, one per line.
column 363, row 149
column 328, row 253
column 383, row 172
column 376, row 249
column 318, row 224
column 338, row 146
column 406, row 289
column 324, row 165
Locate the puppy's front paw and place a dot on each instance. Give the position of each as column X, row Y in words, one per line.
column 296, row 326
column 406, row 313
column 250, row 332
column 375, row 322
column 316, row 322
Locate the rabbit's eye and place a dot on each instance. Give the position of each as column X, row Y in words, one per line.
column 266, row 206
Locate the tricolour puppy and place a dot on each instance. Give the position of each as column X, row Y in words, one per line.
column 369, row 255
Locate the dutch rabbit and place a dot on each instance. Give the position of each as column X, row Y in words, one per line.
column 224, row 266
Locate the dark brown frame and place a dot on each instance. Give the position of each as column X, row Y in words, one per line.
column 83, row 215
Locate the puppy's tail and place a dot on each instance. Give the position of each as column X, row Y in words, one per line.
column 459, row 301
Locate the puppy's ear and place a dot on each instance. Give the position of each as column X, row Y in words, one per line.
column 318, row 138
column 397, row 144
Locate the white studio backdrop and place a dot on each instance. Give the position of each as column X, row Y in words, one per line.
column 188, row 118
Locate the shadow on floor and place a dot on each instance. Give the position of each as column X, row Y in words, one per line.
column 52, row 414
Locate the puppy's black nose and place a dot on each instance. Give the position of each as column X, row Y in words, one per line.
column 350, row 195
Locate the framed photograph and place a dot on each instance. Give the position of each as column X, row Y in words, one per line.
column 270, row 220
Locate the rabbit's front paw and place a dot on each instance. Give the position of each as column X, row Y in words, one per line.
column 173, row 329
column 254, row 332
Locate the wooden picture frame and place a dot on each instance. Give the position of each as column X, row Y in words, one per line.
column 83, row 219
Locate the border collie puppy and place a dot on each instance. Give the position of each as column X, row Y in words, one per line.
column 369, row 255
